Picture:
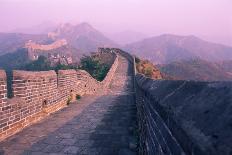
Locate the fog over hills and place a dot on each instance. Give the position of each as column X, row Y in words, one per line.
column 183, row 57
column 159, row 49
column 198, row 69
column 82, row 36
column 167, row 48
column 127, row 37
column 81, row 39
column 186, row 57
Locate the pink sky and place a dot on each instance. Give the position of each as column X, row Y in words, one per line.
column 210, row 19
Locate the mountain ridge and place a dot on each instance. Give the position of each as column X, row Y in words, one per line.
column 82, row 36
column 198, row 70
column 167, row 48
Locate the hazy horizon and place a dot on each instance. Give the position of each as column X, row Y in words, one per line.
column 208, row 19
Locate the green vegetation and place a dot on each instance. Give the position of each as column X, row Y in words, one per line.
column 148, row 71
column 69, row 100
column 43, row 64
column 78, row 97
column 14, row 60
column 19, row 61
column 94, row 67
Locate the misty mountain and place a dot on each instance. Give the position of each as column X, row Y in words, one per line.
column 167, row 48
column 83, row 37
column 199, row 70
column 127, row 37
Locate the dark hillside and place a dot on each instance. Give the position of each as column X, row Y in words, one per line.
column 201, row 109
column 199, row 70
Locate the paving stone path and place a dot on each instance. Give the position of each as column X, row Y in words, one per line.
column 98, row 124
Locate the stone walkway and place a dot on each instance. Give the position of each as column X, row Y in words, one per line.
column 100, row 124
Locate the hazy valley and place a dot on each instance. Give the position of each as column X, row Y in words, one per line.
column 179, row 57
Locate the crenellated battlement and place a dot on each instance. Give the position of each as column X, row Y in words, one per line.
column 37, row 94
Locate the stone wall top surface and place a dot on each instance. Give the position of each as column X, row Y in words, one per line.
column 31, row 74
column 70, row 71
column 82, row 71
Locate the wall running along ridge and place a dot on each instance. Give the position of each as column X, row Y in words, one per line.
column 154, row 136
column 182, row 117
column 37, row 94
column 34, row 46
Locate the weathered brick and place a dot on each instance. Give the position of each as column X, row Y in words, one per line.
column 5, row 128
column 6, row 108
column 3, row 125
column 31, row 89
column 4, row 120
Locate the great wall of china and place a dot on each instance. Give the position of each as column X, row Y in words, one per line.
column 34, row 46
column 174, row 117
column 37, row 94
column 182, row 117
column 57, row 49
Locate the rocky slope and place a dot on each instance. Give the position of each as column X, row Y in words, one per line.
column 148, row 69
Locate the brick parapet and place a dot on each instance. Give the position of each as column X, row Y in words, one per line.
column 37, row 94
column 3, row 90
column 177, row 112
